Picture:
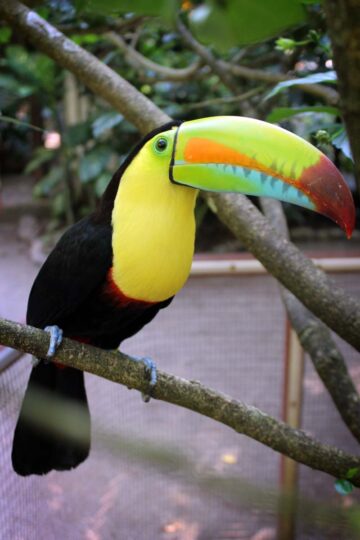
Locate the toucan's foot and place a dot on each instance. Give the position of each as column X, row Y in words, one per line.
column 56, row 335
column 34, row 361
column 151, row 372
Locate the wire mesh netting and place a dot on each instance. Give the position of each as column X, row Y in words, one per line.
column 165, row 472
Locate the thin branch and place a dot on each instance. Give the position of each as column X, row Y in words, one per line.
column 329, row 95
column 225, row 100
column 138, row 61
column 244, row 419
column 216, row 67
column 317, row 341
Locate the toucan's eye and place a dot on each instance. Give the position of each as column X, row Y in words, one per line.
column 161, row 144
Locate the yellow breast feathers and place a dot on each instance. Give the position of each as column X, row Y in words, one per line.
column 153, row 230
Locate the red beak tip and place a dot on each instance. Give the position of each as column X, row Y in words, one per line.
column 349, row 231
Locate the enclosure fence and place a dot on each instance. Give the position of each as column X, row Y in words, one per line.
column 157, row 471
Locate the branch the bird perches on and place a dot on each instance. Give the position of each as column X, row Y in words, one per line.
column 244, row 419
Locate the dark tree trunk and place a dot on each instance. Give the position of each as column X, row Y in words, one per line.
column 343, row 20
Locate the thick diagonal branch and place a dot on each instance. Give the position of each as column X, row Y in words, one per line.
column 339, row 311
column 101, row 79
column 317, row 341
column 192, row 395
column 296, row 272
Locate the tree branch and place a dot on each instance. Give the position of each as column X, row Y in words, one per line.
column 329, row 95
column 343, row 20
column 207, row 57
column 101, row 79
column 244, row 419
column 316, row 340
column 284, row 261
column 225, row 100
column 138, row 61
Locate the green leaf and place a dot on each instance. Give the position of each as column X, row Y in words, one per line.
column 78, row 134
column 340, row 140
column 316, row 78
column 280, row 113
column 105, row 122
column 351, row 473
column 94, row 163
column 11, row 89
column 49, row 181
column 5, row 35
column 59, row 204
column 240, row 22
column 34, row 68
column 42, row 155
column 343, row 487
column 86, row 39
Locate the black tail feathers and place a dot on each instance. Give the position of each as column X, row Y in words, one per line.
column 54, row 409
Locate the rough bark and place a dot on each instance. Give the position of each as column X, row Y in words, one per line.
column 317, row 341
column 296, row 272
column 244, row 419
column 101, row 79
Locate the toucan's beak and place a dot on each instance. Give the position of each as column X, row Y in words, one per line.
column 243, row 155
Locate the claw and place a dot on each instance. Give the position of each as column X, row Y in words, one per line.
column 151, row 372
column 34, row 361
column 56, row 335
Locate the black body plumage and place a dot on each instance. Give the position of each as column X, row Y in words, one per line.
column 72, row 291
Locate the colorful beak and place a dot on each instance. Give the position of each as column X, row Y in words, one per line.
column 243, row 155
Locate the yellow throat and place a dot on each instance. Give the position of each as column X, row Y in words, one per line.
column 153, row 230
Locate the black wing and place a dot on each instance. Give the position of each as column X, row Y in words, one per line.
column 77, row 266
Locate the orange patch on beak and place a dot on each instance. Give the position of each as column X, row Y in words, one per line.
column 205, row 151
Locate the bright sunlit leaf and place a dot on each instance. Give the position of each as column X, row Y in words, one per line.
column 316, row 78
column 281, row 113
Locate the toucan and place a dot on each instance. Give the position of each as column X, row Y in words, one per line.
column 112, row 272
